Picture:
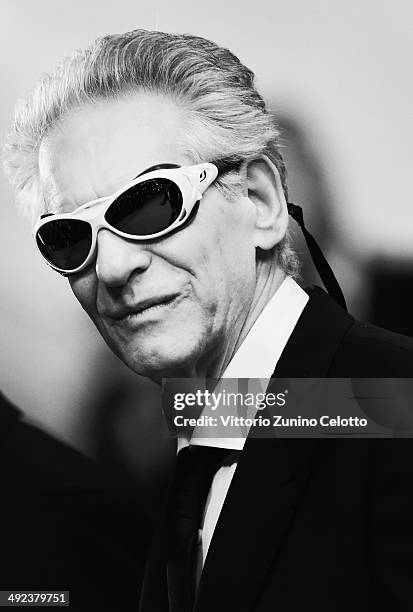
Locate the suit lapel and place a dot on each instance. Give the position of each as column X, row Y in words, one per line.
column 271, row 476
column 315, row 339
column 259, row 508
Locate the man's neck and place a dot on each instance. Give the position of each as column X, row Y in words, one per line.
column 266, row 288
column 269, row 280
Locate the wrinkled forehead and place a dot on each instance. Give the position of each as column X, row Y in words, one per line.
column 98, row 148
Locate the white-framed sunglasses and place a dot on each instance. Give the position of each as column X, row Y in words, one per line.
column 154, row 204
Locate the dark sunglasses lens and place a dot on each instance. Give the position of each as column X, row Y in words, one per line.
column 65, row 243
column 146, row 208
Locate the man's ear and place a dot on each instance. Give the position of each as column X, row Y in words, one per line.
column 266, row 193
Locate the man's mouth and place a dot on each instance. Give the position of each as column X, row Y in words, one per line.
column 143, row 308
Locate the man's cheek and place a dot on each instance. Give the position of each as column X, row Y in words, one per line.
column 84, row 291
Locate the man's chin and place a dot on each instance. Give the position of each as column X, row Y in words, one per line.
column 158, row 364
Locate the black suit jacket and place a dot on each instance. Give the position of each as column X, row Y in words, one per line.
column 324, row 524
column 63, row 524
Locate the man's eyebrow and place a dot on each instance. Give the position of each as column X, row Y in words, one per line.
column 158, row 167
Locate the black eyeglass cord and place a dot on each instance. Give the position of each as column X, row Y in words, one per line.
column 322, row 266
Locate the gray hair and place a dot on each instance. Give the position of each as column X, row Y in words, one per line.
column 225, row 116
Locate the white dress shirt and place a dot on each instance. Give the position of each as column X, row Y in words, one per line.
column 256, row 358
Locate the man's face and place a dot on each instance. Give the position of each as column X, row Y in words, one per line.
column 203, row 275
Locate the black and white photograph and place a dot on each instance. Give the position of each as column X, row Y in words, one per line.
column 206, row 378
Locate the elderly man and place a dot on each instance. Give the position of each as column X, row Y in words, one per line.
column 157, row 171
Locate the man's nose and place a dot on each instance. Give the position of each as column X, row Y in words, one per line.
column 117, row 258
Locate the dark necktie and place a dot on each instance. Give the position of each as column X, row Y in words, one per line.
column 195, row 469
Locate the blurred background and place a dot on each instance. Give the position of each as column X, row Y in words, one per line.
column 338, row 78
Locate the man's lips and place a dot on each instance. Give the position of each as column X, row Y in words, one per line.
column 126, row 311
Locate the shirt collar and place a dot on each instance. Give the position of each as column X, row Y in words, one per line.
column 259, row 353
